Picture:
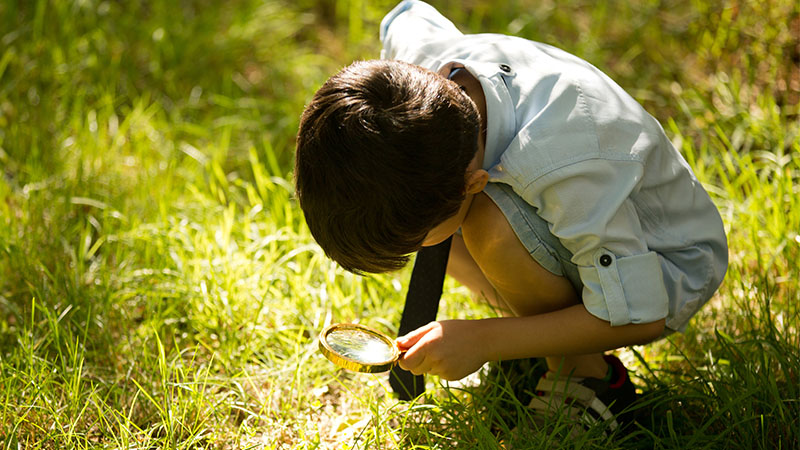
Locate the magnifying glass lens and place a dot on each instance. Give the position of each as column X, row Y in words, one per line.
column 360, row 346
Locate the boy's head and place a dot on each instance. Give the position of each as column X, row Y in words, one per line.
column 382, row 152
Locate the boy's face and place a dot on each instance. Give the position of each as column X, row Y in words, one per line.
column 447, row 228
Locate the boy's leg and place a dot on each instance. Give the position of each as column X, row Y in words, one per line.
column 592, row 365
column 463, row 268
column 534, row 290
column 491, row 254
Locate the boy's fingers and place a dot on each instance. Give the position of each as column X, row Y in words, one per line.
column 407, row 363
column 414, row 363
column 408, row 341
column 414, row 357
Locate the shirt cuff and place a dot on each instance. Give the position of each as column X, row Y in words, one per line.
column 624, row 290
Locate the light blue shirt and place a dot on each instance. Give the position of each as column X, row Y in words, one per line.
column 647, row 240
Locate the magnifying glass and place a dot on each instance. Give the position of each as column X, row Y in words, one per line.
column 358, row 348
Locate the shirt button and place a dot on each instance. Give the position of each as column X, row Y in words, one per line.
column 505, row 68
column 605, row 260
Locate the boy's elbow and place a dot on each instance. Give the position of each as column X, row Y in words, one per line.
column 649, row 332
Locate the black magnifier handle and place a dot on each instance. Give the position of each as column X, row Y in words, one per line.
column 422, row 304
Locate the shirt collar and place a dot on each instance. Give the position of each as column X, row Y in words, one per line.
column 501, row 118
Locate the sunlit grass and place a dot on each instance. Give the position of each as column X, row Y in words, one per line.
column 159, row 288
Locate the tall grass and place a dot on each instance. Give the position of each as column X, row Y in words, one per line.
column 158, row 287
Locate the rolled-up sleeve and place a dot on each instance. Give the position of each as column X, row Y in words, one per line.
column 410, row 23
column 588, row 206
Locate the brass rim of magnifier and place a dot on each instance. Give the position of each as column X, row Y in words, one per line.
column 350, row 364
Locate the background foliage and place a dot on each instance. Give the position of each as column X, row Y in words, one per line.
column 158, row 286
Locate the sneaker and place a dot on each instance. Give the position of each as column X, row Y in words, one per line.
column 589, row 400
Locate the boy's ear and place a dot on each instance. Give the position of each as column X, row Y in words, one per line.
column 476, row 181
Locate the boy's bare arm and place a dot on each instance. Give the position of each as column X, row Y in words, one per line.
column 570, row 331
column 454, row 349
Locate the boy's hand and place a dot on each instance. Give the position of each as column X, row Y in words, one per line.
column 451, row 349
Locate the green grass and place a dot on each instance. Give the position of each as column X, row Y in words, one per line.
column 159, row 288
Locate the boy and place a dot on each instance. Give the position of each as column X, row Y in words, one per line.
column 566, row 201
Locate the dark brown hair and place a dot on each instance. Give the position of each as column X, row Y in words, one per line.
column 382, row 152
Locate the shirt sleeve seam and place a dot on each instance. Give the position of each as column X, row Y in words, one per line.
column 588, row 114
column 553, row 169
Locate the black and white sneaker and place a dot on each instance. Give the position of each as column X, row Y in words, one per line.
column 588, row 400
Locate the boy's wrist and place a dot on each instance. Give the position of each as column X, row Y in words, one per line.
column 484, row 338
